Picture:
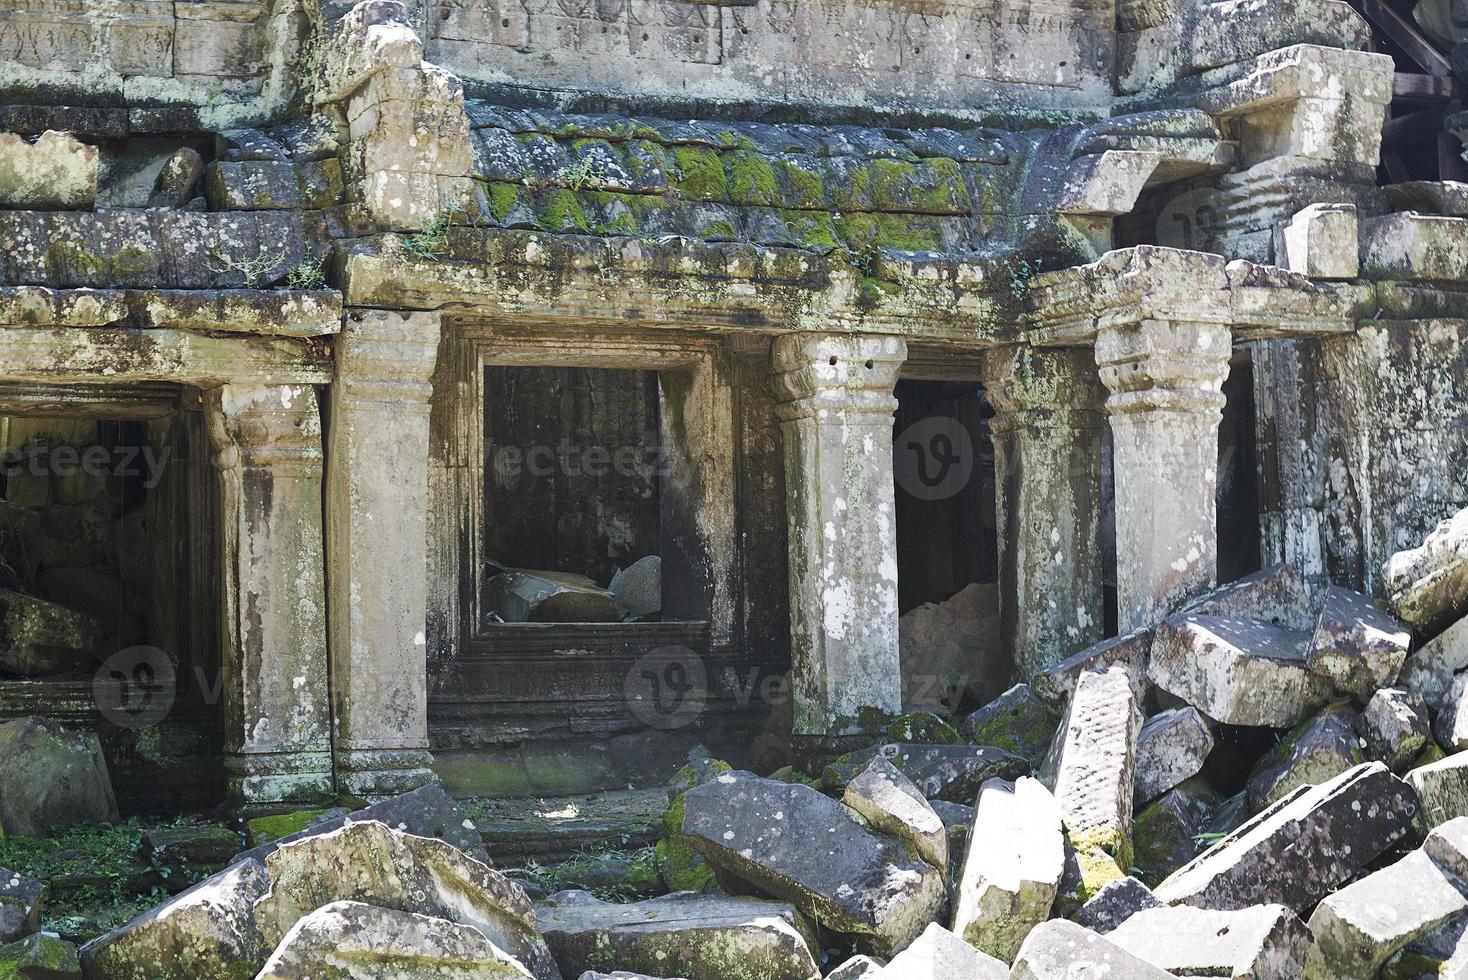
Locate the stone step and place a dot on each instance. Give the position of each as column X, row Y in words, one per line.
column 551, row 829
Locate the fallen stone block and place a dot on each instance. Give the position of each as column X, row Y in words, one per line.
column 889, row 802
column 1442, row 787
column 20, row 905
column 522, row 596
column 409, row 874
column 57, row 172
column 639, row 587
column 51, row 778
column 1395, row 727
column 1429, row 671
column 1359, row 927
column 40, row 956
column 1091, row 764
column 680, row 866
column 958, row 822
column 1012, row 867
column 1315, row 751
column 175, row 183
column 1237, row 672
column 205, row 933
column 1450, row 724
column 1017, row 721
column 1116, row 902
column 1356, row 646
column 940, row 772
column 939, row 953
column 1171, row 747
column 701, row 937
column 1058, row 949
column 1320, row 241
column 856, row 968
column 39, row 638
column 624, row 975
column 1447, row 846
column 1277, row 595
column 1169, row 831
column 922, row 727
column 945, row 647
column 1428, row 585
column 1130, row 651
column 1264, row 942
column 1441, row 954
column 355, row 941
column 1300, row 848
column 789, row 841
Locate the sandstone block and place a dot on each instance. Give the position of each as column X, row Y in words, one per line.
column 889, row 801
column 175, row 183
column 1236, row 671
column 1057, row 949
column 1012, row 867
column 40, row 956
column 1166, row 833
column 1315, row 751
column 1413, row 246
column 1320, row 242
column 1172, row 747
column 1017, row 721
column 1115, row 902
column 1428, row 585
column 945, row 645
column 1395, row 727
column 1130, row 651
column 1450, row 724
column 958, row 822
column 1447, row 846
column 1442, row 787
column 1263, row 942
column 39, row 638
column 856, row 968
column 1300, row 848
column 1359, row 927
column 940, row 772
column 51, row 778
column 518, row 596
column 1277, row 595
column 791, row 842
column 57, row 172
column 1356, row 646
column 939, row 953
column 701, row 937
column 355, row 941
column 20, row 905
column 1429, row 671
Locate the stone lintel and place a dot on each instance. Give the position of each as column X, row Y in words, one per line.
column 42, row 306
column 279, row 312
column 1300, row 71
column 835, row 410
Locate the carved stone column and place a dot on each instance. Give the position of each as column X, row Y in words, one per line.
column 1047, row 458
column 1166, row 402
column 277, row 715
column 377, row 541
column 836, row 416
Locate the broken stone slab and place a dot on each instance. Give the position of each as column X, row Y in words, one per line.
column 889, row 802
column 1320, row 242
column 680, row 867
column 1054, row 950
column 1428, row 585
column 207, row 932
column 1088, row 869
column 1429, row 671
column 40, row 956
column 522, row 596
column 410, row 874
column 1356, row 646
column 1441, row 954
column 856, row 968
column 1263, row 942
column 1171, row 747
column 1168, row 832
column 958, row 823
column 175, row 183
column 52, row 778
column 939, row 953
column 945, row 646
column 1130, row 651
column 1236, row 671
column 1358, row 928
column 624, row 975
column 1091, row 765
column 20, row 905
column 38, row 638
column 789, row 841
column 1450, row 724
column 1447, row 846
column 1277, row 595
column 1442, row 788
column 277, row 312
column 922, row 727
column 355, row 941
column 38, row 306
column 1300, row 848
column 701, row 937
column 185, row 849
column 1017, row 721
column 1395, row 726
column 940, row 772
column 58, row 172
column 1317, row 750
column 1012, row 867
column 638, row 588
column 1116, row 902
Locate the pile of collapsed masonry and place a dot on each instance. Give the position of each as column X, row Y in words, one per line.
column 1344, row 856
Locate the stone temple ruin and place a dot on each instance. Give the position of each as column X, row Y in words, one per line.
column 1023, row 443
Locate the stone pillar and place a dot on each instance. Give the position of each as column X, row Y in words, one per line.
column 836, row 417
column 1047, row 461
column 1166, row 402
column 277, row 717
column 377, row 543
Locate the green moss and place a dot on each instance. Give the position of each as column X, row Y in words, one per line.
column 700, row 174
column 502, row 200
column 923, row 726
column 751, row 179
column 263, row 830
column 38, row 955
column 679, row 865
column 812, row 229
column 562, row 211
column 803, row 188
column 1433, row 753
column 64, row 258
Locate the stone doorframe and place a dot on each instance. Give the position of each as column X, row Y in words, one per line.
column 697, row 436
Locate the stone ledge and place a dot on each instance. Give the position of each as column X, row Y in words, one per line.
column 277, row 312
column 40, row 306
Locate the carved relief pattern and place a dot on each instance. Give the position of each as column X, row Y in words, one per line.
column 653, row 29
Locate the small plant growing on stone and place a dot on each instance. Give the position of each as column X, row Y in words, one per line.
column 308, row 275
column 431, row 241
column 587, row 171
column 254, row 273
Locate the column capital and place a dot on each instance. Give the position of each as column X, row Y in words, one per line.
column 387, row 356
column 276, row 427
column 824, row 371
column 1042, row 387
column 1164, row 365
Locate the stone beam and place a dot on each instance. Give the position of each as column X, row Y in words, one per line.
column 1047, row 460
column 268, row 452
column 836, row 415
column 377, row 543
column 1165, row 378
column 59, row 354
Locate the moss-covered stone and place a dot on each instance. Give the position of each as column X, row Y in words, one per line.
column 1088, row 867
column 751, row 179
column 1017, row 721
column 39, row 957
column 699, row 174
column 923, row 726
column 264, row 830
column 1168, row 833
column 680, row 867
